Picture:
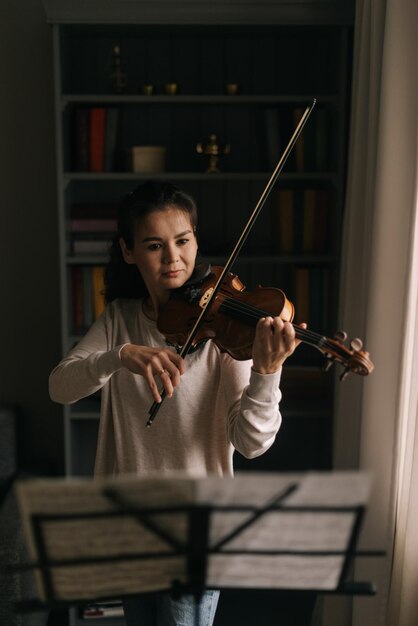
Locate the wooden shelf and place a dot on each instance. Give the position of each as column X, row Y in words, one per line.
column 218, row 260
column 239, row 99
column 199, row 176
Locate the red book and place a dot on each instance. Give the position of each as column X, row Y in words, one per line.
column 97, row 138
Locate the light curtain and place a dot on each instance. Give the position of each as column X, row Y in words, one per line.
column 376, row 418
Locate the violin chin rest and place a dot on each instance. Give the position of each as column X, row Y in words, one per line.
column 200, row 273
column 190, row 291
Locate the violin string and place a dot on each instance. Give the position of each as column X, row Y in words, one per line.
column 248, row 311
column 332, row 348
column 252, row 313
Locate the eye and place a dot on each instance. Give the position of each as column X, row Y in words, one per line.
column 182, row 242
column 154, row 246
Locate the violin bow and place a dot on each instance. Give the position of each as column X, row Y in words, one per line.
column 237, row 249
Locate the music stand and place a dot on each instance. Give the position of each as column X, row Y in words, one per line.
column 92, row 540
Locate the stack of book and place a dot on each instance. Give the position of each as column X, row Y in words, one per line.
column 87, row 295
column 95, row 138
column 311, row 151
column 311, row 148
column 301, row 221
column 91, row 228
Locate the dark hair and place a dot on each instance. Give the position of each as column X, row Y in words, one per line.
column 123, row 280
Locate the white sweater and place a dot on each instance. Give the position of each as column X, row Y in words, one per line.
column 220, row 403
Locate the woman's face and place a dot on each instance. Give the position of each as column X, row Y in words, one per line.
column 164, row 251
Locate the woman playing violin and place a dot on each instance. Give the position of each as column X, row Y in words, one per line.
column 215, row 404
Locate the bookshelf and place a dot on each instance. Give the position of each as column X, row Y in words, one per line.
column 295, row 244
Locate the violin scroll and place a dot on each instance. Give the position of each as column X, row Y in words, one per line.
column 353, row 358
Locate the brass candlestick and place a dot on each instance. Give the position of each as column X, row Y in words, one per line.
column 214, row 150
column 117, row 74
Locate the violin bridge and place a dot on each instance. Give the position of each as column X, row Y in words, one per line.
column 205, row 298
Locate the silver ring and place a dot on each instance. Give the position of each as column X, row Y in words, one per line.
column 161, row 372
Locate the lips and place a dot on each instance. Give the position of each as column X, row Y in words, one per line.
column 173, row 274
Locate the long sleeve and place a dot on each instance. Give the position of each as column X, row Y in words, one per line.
column 86, row 368
column 254, row 419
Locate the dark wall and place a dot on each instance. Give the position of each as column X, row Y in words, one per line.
column 29, row 266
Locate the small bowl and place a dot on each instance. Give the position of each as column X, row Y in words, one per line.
column 232, row 89
column 171, row 88
column 147, row 90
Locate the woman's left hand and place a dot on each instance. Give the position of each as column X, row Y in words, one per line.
column 274, row 342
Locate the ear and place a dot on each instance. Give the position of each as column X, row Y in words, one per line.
column 126, row 252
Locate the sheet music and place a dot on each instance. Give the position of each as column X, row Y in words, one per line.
column 288, row 530
column 268, row 509
column 334, row 489
column 278, row 572
column 94, row 537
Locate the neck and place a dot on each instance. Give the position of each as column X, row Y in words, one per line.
column 149, row 309
column 152, row 306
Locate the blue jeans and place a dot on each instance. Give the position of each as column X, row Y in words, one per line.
column 162, row 609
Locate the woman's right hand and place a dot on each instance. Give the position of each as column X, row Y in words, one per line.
column 148, row 362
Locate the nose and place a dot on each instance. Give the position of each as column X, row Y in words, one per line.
column 170, row 254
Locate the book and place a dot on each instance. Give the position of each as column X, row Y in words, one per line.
column 283, row 220
column 91, row 246
column 311, row 296
column 97, row 138
column 88, row 294
column 87, row 297
column 301, row 286
column 111, row 131
column 299, row 148
column 77, row 296
column 298, row 220
column 324, row 216
column 309, row 215
column 81, row 158
column 98, row 290
column 92, row 225
column 321, row 140
column 326, row 299
column 94, row 211
column 304, row 150
column 315, row 221
column 316, row 298
column 272, row 136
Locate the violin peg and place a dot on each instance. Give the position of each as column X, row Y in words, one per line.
column 326, row 366
column 344, row 373
column 340, row 335
column 356, row 344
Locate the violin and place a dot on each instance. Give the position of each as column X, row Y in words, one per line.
column 201, row 304
column 232, row 317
